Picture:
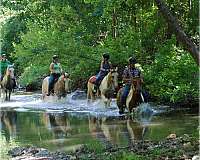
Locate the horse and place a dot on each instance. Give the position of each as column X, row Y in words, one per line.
column 7, row 84
column 106, row 88
column 133, row 98
column 61, row 87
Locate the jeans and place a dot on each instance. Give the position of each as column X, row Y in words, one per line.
column 125, row 93
column 100, row 76
column 52, row 80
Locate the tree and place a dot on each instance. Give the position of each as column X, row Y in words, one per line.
column 180, row 34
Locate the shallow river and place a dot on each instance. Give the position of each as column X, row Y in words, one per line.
column 67, row 124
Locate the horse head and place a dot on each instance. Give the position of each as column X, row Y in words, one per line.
column 10, row 71
column 133, row 98
column 113, row 79
column 7, row 83
column 136, row 84
column 67, row 80
column 108, row 86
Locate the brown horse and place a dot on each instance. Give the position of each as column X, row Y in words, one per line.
column 133, row 98
column 7, row 84
column 107, row 87
column 61, row 87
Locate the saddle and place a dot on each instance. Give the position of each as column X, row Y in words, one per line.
column 92, row 79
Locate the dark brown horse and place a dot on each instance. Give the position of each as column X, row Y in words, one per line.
column 134, row 96
column 7, row 83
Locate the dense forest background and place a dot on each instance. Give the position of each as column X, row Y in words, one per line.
column 80, row 31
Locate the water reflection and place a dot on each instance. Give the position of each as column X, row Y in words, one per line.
column 117, row 131
column 136, row 130
column 57, row 131
column 8, row 124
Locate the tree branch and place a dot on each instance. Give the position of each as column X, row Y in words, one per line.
column 182, row 38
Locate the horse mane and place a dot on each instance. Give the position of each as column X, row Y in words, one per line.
column 109, row 79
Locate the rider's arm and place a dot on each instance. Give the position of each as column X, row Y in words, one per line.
column 8, row 63
column 51, row 68
column 101, row 67
column 142, row 78
column 111, row 67
column 61, row 70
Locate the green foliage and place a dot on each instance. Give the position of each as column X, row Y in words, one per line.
column 31, row 74
column 81, row 31
column 173, row 76
column 10, row 33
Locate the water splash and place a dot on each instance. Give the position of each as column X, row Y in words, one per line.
column 34, row 103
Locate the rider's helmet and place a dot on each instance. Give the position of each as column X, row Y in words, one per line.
column 132, row 60
column 106, row 56
column 54, row 56
column 3, row 55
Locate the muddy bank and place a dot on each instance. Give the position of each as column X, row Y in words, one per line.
column 175, row 148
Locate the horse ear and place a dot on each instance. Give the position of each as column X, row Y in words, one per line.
column 67, row 74
column 116, row 69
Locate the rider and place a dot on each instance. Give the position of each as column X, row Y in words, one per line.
column 129, row 72
column 104, row 69
column 4, row 63
column 56, row 70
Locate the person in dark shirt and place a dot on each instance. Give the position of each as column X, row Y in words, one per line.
column 4, row 63
column 56, row 71
column 129, row 72
column 104, row 68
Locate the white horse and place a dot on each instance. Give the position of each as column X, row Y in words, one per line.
column 107, row 87
column 61, row 87
column 7, row 84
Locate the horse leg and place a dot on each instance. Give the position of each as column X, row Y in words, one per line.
column 105, row 100
column 88, row 92
column 9, row 94
column 88, row 96
column 6, row 94
column 92, row 96
column 0, row 90
column 108, row 102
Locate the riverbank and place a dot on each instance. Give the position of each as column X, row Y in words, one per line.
column 173, row 147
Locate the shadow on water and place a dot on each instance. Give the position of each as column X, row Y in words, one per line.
column 68, row 124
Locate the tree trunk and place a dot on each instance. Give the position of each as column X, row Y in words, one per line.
column 180, row 34
column 114, row 24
